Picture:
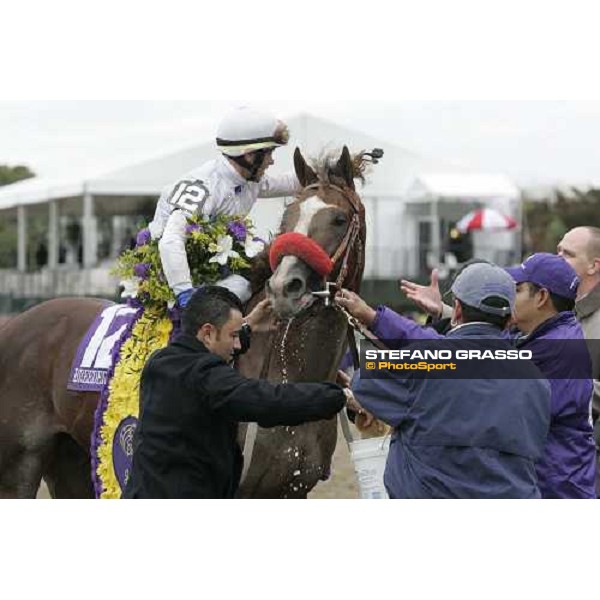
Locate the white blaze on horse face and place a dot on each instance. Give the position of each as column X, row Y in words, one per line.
column 308, row 209
column 285, row 265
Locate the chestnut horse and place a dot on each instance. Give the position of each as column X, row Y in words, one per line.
column 45, row 429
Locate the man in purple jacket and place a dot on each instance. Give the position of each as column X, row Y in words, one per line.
column 546, row 291
column 457, row 437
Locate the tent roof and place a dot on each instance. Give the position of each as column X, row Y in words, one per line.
column 462, row 186
column 36, row 190
column 392, row 177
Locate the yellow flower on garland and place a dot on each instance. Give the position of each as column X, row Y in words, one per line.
column 150, row 333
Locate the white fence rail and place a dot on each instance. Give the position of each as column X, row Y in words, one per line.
column 61, row 282
column 381, row 263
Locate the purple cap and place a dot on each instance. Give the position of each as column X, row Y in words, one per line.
column 549, row 271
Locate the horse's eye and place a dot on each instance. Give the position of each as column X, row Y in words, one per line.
column 339, row 220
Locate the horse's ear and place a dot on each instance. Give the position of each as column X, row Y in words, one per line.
column 304, row 173
column 345, row 168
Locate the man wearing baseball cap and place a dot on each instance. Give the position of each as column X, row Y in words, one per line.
column 546, row 292
column 548, row 272
column 459, row 438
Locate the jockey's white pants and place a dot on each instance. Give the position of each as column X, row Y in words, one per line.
column 239, row 285
column 175, row 263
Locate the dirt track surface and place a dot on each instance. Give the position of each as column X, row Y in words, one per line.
column 341, row 484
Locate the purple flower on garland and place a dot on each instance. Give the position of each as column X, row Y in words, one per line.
column 224, row 271
column 143, row 237
column 142, row 270
column 238, row 230
column 134, row 302
column 191, row 227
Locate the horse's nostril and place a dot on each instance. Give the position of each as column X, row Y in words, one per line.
column 294, row 287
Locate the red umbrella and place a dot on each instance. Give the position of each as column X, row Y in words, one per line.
column 486, row 219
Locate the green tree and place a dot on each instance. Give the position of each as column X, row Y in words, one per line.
column 8, row 242
column 8, row 229
column 13, row 174
column 547, row 220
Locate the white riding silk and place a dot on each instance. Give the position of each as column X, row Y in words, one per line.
column 215, row 188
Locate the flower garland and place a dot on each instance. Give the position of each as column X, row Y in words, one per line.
column 151, row 332
column 216, row 247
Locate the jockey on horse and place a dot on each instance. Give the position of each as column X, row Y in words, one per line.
column 227, row 185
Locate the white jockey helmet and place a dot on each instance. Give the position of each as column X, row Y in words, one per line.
column 246, row 130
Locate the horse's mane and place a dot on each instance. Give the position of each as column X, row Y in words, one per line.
column 325, row 166
column 260, row 270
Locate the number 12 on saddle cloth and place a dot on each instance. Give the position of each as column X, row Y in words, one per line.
column 110, row 360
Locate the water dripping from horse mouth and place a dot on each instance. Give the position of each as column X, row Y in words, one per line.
column 305, row 307
column 285, row 308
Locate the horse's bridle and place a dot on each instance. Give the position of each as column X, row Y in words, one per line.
column 344, row 250
column 351, row 235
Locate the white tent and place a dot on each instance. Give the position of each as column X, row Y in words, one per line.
column 391, row 236
column 463, row 185
column 310, row 133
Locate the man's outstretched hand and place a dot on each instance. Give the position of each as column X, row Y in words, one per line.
column 427, row 297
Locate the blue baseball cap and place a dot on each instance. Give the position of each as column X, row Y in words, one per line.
column 479, row 282
column 549, row 271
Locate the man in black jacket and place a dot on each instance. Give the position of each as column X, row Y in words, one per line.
column 192, row 400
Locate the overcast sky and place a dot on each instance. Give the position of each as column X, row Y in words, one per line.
column 429, row 49
column 534, row 142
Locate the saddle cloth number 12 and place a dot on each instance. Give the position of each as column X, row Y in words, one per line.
column 98, row 352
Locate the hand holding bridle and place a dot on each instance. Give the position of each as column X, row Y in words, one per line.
column 356, row 306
